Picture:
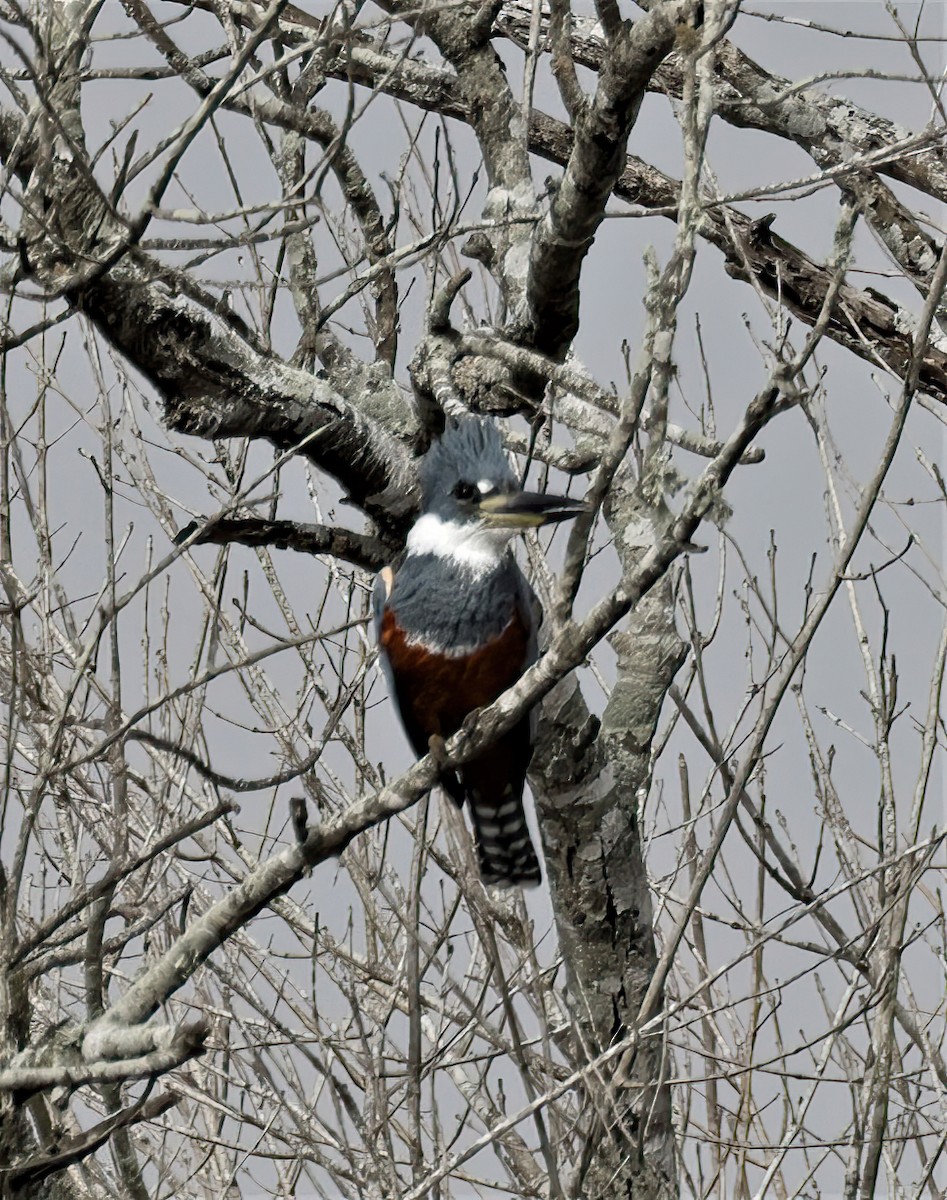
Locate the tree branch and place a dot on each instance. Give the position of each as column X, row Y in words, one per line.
column 596, row 161
column 866, row 322
column 361, row 549
column 188, row 1042
column 830, row 128
column 75, row 1149
column 216, row 379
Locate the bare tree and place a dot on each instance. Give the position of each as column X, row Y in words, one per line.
column 256, row 254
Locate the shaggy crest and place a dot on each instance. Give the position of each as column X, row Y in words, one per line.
column 470, row 449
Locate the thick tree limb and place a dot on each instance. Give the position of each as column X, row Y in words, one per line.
column 75, row 1149
column 187, row 1043
column 361, row 549
column 596, row 160
column 216, row 378
column 216, row 384
column 830, row 128
column 587, row 797
column 866, row 322
column 745, row 95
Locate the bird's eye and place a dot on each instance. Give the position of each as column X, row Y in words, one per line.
column 465, row 491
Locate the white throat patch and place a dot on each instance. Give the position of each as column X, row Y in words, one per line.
column 473, row 546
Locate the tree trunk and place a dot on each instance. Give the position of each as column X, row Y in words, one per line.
column 589, row 790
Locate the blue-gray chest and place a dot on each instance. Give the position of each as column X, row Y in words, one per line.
column 444, row 604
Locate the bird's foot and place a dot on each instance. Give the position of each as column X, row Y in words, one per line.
column 447, row 775
column 438, row 749
column 471, row 720
column 299, row 818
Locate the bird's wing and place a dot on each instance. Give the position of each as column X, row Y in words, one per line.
column 531, row 612
column 381, row 593
column 384, row 582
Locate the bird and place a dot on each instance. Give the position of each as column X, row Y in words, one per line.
column 456, row 623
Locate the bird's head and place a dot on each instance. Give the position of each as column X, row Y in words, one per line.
column 471, row 502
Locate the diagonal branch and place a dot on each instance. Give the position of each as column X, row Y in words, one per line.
column 75, row 1149
column 596, row 161
column 217, row 380
column 830, row 128
column 868, row 323
column 120, row 1030
column 833, row 131
column 361, row 549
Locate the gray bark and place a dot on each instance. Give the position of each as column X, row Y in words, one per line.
column 218, row 380
column 590, row 787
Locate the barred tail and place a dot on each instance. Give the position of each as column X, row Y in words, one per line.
column 505, row 849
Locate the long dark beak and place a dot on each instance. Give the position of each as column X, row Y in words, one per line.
column 528, row 510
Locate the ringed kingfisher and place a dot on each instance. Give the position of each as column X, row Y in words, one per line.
column 456, row 623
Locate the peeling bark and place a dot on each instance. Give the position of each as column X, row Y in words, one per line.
column 597, row 157
column 830, row 128
column 589, row 786
column 869, row 324
column 216, row 379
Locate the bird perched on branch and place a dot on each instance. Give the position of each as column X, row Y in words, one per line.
column 456, row 623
